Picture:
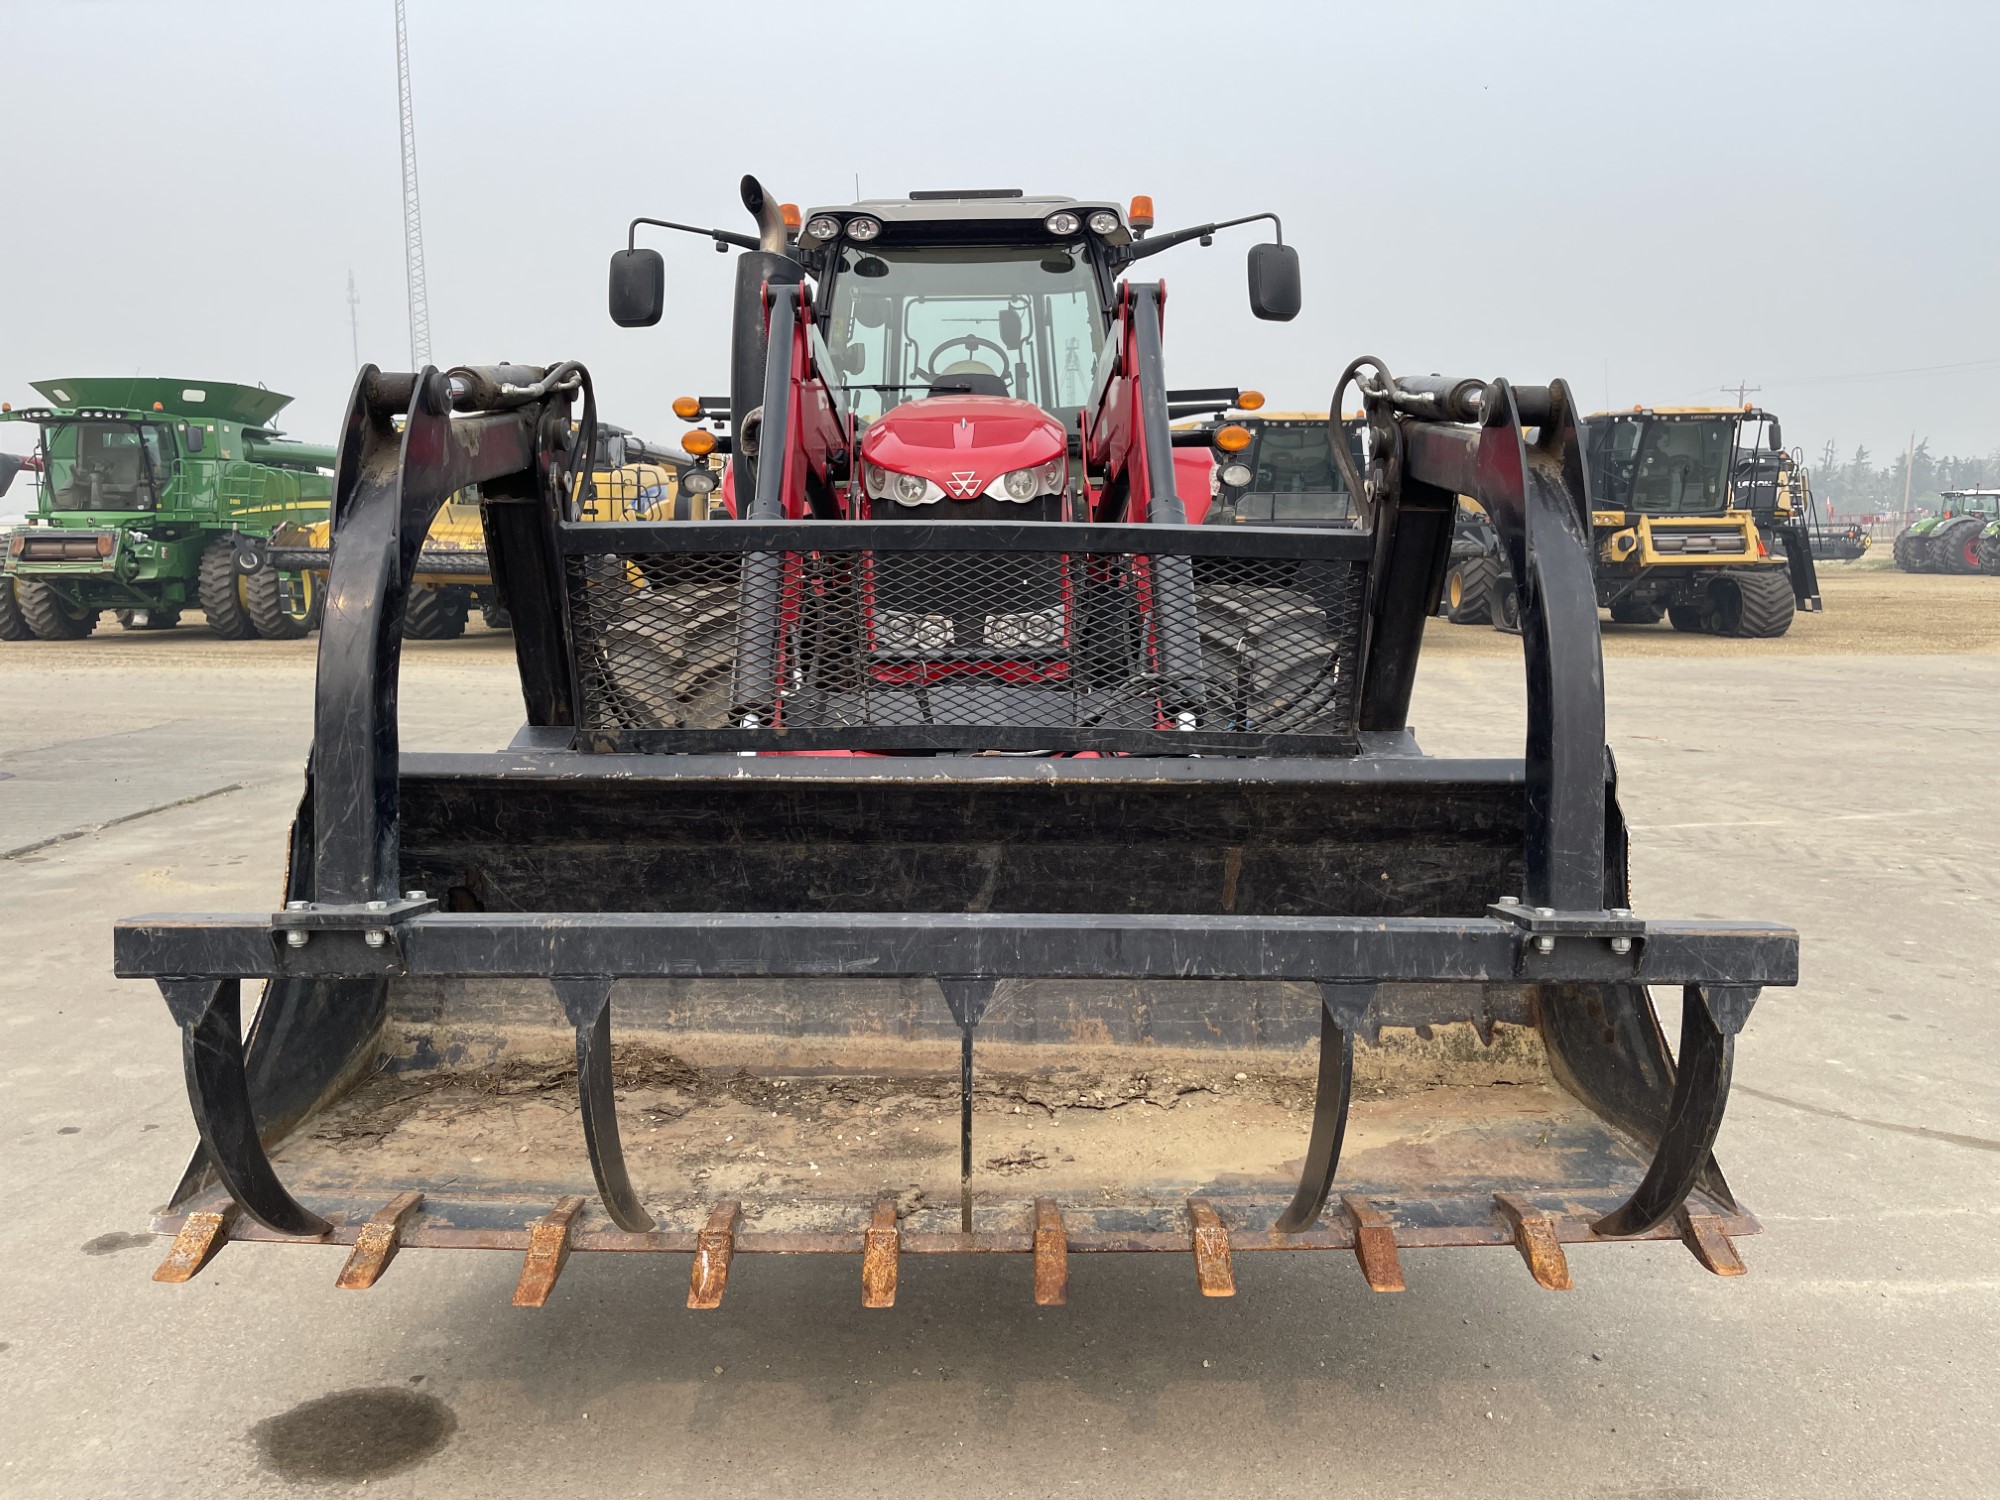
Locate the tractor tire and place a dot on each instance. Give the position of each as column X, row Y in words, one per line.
column 1637, row 612
column 1753, row 604
column 1690, row 619
column 12, row 626
column 1989, row 550
column 663, row 659
column 49, row 615
column 147, row 619
column 220, row 589
column 1912, row 553
column 1955, row 545
column 278, row 613
column 1506, row 606
column 1469, row 589
column 436, row 614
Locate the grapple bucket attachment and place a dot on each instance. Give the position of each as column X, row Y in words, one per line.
column 769, row 934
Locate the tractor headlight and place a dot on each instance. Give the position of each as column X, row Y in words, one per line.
column 904, row 489
column 1235, row 475
column 1021, row 484
column 698, row 481
column 862, row 229
column 1062, row 223
column 1104, row 221
column 820, row 228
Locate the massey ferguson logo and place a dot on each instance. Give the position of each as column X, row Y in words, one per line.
column 964, row 484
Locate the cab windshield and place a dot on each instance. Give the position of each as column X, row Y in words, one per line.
column 1293, row 478
column 107, row 465
column 998, row 320
column 1663, row 465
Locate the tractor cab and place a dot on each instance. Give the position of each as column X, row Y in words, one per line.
column 965, row 360
column 963, row 355
column 102, row 465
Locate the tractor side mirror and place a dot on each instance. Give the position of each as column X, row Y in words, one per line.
column 1274, row 283
column 1010, row 327
column 638, row 288
column 1777, row 441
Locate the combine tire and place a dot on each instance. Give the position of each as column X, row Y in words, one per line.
column 147, row 619
column 492, row 611
column 12, row 626
column 436, row 614
column 49, row 615
column 1989, row 550
column 1468, row 591
column 1754, row 604
column 279, row 613
column 1691, row 619
column 221, row 592
column 1955, row 545
column 1637, row 612
column 1911, row 552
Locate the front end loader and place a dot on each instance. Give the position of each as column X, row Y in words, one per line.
column 957, row 851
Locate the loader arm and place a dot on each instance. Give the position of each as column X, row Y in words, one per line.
column 1126, row 425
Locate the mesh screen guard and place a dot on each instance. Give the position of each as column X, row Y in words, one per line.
column 966, row 635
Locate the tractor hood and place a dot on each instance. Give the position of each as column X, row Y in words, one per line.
column 963, row 445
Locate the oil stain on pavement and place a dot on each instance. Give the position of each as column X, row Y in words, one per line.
column 357, row 1434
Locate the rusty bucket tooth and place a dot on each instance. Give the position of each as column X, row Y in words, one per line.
column 202, row 1236
column 1535, row 1238
column 714, row 1248
column 1212, row 1268
column 879, row 1250
column 548, row 1251
column 1709, row 1243
column 1051, row 1255
column 376, row 1243
column 1374, row 1243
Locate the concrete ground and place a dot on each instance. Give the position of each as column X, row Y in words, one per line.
column 1850, row 794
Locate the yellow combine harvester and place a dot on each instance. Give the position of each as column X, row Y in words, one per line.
column 1689, row 523
column 630, row 481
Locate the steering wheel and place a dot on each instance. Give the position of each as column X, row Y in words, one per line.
column 969, row 342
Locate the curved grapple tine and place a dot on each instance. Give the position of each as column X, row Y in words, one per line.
column 210, row 1013
column 1343, row 1007
column 587, row 1002
column 1711, row 1015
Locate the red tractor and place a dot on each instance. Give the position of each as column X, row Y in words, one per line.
column 956, row 773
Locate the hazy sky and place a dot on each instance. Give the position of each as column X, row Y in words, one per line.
column 1653, row 200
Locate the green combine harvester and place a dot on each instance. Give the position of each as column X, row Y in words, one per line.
column 152, row 496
